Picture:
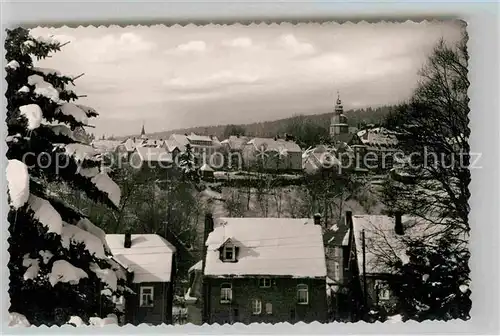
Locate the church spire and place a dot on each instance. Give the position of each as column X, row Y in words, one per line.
column 339, row 108
column 143, row 132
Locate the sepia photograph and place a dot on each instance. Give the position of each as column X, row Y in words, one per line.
column 223, row 174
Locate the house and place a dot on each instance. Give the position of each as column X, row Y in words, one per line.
column 320, row 158
column 173, row 147
column 150, row 261
column 207, row 172
column 272, row 154
column 233, row 148
column 151, row 157
column 204, row 147
column 337, row 252
column 379, row 145
column 259, row 270
column 375, row 241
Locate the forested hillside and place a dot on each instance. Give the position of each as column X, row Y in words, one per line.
column 271, row 128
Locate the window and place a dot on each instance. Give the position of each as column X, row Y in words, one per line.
column 256, row 306
column 146, row 299
column 226, row 293
column 228, row 253
column 383, row 292
column 264, row 282
column 302, row 294
column 269, row 308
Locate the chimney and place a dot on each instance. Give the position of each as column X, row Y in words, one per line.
column 209, row 227
column 398, row 226
column 348, row 219
column 128, row 240
column 317, row 219
column 206, row 292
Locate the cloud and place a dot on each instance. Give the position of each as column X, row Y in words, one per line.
column 213, row 81
column 290, row 42
column 111, row 47
column 195, row 46
column 239, row 42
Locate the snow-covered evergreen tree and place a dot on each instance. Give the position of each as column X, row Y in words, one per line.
column 59, row 264
column 186, row 162
column 434, row 284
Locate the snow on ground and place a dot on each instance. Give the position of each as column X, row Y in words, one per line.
column 33, row 113
column 63, row 271
column 43, row 88
column 33, row 266
column 395, row 319
column 211, row 194
column 105, row 184
column 72, row 234
column 88, row 226
column 45, row 214
column 107, row 276
column 73, row 110
column 46, row 256
column 81, row 152
column 18, row 320
column 12, row 65
column 76, row 321
column 18, row 183
column 100, row 322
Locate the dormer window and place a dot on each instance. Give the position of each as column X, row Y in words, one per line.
column 229, row 253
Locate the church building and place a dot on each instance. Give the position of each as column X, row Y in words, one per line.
column 338, row 123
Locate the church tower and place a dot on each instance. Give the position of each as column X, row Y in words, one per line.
column 143, row 132
column 338, row 124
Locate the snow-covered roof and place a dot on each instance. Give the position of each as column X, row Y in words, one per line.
column 155, row 154
column 381, row 241
column 130, row 144
column 171, row 145
column 150, row 257
column 319, row 158
column 197, row 137
column 150, row 142
column 235, row 143
column 378, row 137
column 267, row 246
column 104, row 146
column 275, row 145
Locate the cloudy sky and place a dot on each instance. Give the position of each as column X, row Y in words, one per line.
column 173, row 77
